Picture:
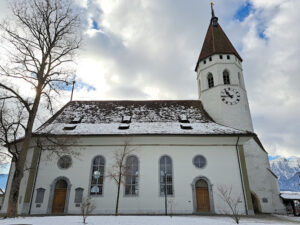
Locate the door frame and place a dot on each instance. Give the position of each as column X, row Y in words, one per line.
column 52, row 190
column 210, row 193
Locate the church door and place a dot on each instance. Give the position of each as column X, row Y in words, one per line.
column 59, row 198
column 202, row 196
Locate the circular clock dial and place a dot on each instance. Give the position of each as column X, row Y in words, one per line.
column 230, row 96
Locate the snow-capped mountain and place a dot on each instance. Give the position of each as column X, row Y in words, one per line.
column 287, row 172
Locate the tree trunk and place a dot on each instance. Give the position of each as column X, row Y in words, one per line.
column 118, row 195
column 12, row 209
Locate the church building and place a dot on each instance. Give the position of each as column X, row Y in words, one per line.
column 182, row 153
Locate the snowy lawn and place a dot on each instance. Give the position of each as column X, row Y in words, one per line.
column 146, row 220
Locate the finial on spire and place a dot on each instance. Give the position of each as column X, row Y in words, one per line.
column 214, row 19
column 212, row 10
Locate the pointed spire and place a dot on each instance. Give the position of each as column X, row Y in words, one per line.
column 212, row 10
column 216, row 41
column 214, row 19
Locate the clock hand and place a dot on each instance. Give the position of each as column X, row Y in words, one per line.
column 227, row 93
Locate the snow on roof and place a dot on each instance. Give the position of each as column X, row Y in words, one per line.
column 290, row 195
column 147, row 117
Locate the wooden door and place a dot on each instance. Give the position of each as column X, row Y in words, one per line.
column 59, row 200
column 202, row 196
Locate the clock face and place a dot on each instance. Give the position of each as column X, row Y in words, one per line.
column 230, row 96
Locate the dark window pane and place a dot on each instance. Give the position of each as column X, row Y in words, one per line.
column 40, row 195
column 78, row 195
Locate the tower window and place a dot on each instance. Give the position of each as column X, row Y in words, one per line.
column 221, row 56
column 210, row 80
column 204, row 61
column 210, row 59
column 228, row 56
column 226, row 77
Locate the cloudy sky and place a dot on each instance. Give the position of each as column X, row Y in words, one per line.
column 147, row 49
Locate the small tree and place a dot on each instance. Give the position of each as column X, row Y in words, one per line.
column 87, row 207
column 118, row 170
column 232, row 202
column 172, row 204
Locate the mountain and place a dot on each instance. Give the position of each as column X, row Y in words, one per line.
column 287, row 172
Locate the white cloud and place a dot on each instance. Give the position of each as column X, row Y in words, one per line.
column 147, row 49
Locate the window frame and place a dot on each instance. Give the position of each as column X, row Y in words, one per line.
column 60, row 158
column 226, row 77
column 136, row 176
column 161, row 194
column 91, row 177
column 194, row 158
column 78, row 190
column 42, row 191
column 210, row 80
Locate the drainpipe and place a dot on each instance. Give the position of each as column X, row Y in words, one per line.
column 242, row 180
column 36, row 173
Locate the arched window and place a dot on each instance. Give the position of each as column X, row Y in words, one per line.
column 132, row 174
column 97, row 176
column 226, row 77
column 166, row 175
column 210, row 80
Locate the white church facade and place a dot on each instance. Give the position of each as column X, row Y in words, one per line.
column 185, row 150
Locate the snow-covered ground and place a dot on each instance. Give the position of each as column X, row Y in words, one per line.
column 149, row 220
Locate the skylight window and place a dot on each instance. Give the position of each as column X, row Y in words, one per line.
column 76, row 120
column 183, row 119
column 69, row 127
column 185, row 126
column 123, row 126
column 126, row 119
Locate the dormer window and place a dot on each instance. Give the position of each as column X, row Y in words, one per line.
column 126, row 119
column 69, row 127
column 185, row 126
column 226, row 77
column 183, row 119
column 77, row 120
column 210, row 80
column 123, row 126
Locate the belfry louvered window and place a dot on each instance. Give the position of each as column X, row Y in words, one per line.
column 97, row 176
column 166, row 175
column 226, row 77
column 210, row 80
column 132, row 174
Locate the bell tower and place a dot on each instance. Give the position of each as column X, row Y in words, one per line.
column 221, row 86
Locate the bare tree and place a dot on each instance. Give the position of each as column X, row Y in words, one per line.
column 11, row 128
column 172, row 204
column 87, row 207
column 40, row 41
column 118, row 169
column 231, row 201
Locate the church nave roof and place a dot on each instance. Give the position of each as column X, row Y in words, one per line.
column 134, row 117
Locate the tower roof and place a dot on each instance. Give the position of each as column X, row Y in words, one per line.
column 216, row 42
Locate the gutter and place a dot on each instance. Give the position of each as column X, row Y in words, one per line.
column 241, row 176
